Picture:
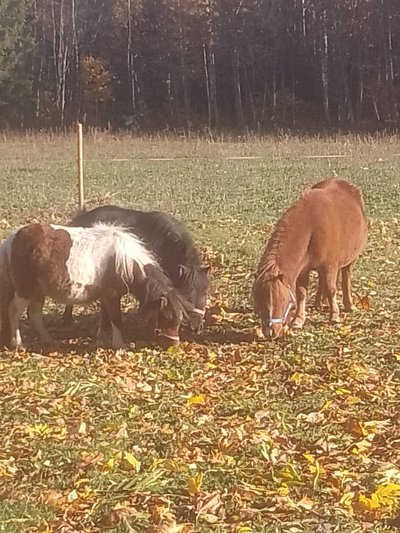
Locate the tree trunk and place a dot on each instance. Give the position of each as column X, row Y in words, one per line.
column 130, row 61
column 237, row 87
column 209, row 67
column 75, row 47
column 324, row 65
column 185, row 90
column 60, row 59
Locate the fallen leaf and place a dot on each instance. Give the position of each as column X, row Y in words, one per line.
column 199, row 399
column 194, row 484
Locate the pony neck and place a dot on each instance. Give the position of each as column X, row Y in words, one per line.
column 287, row 248
column 153, row 285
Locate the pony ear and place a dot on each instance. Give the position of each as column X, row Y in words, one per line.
column 206, row 269
column 163, row 301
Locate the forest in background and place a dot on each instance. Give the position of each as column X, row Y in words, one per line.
column 194, row 64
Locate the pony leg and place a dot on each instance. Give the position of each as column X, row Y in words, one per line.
column 319, row 295
column 301, row 295
column 105, row 324
column 36, row 318
column 346, row 288
column 15, row 310
column 112, row 307
column 6, row 295
column 331, row 289
column 67, row 315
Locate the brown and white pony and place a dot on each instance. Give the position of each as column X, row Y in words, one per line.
column 80, row 265
column 324, row 230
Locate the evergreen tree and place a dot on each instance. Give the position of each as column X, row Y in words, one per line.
column 16, row 55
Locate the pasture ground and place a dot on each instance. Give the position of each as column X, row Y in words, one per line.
column 227, row 433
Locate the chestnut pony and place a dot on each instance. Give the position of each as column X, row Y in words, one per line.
column 80, row 265
column 324, row 230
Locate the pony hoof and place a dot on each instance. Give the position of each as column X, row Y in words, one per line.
column 103, row 334
column 297, row 324
column 335, row 321
column 121, row 347
column 19, row 348
column 350, row 308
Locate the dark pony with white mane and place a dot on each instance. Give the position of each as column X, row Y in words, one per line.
column 81, row 265
column 324, row 230
column 170, row 242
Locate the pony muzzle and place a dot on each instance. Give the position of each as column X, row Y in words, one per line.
column 273, row 330
column 274, row 327
column 195, row 320
column 166, row 338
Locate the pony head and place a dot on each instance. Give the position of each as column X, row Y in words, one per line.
column 165, row 316
column 273, row 302
column 194, row 284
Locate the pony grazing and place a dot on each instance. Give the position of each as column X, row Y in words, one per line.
column 172, row 245
column 324, row 230
column 80, row 265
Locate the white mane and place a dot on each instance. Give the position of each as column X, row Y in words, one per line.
column 128, row 250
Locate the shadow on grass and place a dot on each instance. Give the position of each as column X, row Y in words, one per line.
column 79, row 337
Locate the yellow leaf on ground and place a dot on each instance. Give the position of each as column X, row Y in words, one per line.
column 169, row 464
column 386, row 496
column 366, row 503
column 352, row 400
column 194, row 484
column 347, row 499
column 388, row 493
column 291, row 473
column 296, row 377
column 363, row 446
column 132, row 461
column 199, row 399
column 109, row 465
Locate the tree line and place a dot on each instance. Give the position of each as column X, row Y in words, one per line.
column 193, row 64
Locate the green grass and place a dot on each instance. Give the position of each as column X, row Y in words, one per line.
column 288, row 436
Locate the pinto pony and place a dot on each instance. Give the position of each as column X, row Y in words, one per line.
column 170, row 242
column 324, row 230
column 80, row 265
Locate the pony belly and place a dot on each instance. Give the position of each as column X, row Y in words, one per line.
column 83, row 293
column 78, row 293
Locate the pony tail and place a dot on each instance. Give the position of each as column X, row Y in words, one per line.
column 6, row 295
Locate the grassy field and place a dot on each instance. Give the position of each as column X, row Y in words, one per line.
column 227, row 433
